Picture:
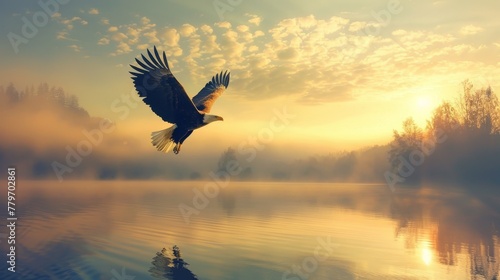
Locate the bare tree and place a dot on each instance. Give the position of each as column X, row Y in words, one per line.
column 445, row 119
column 479, row 110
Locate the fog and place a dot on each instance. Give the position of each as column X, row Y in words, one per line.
column 51, row 136
column 47, row 134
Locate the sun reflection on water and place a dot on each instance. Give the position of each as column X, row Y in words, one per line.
column 426, row 253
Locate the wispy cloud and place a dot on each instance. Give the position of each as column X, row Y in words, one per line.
column 122, row 48
column 69, row 23
column 62, row 35
column 93, row 11
column 470, row 30
column 76, row 48
column 68, row 26
column 103, row 41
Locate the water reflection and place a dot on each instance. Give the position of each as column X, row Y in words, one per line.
column 92, row 228
column 461, row 229
column 170, row 265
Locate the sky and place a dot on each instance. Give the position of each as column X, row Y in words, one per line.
column 346, row 73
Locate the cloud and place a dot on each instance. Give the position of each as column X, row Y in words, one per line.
column 223, row 24
column 93, row 11
column 254, row 19
column 206, row 29
column 62, row 35
column 133, row 32
column 171, row 37
column 210, row 45
column 69, row 23
column 152, row 37
column 258, row 33
column 470, row 30
column 122, row 48
column 357, row 26
column 308, row 59
column 75, row 48
column 187, row 30
column 253, row 49
column 119, row 36
column 103, row 41
column 145, row 21
column 232, row 47
column 140, row 35
column 242, row 28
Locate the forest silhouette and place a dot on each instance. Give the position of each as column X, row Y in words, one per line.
column 459, row 145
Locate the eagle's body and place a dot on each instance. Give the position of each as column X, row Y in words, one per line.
column 167, row 98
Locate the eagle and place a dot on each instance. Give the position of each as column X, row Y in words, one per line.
column 166, row 97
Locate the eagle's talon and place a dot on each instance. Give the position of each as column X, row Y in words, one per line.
column 177, row 148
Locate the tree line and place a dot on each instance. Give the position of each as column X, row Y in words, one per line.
column 42, row 94
column 460, row 143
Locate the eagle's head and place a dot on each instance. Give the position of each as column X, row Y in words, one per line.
column 211, row 118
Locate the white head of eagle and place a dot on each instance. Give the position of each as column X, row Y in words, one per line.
column 159, row 89
column 211, row 118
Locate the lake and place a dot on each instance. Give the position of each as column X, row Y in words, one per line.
column 253, row 230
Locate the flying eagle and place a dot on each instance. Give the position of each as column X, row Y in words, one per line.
column 167, row 98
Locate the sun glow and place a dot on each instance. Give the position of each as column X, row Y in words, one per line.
column 426, row 253
column 424, row 102
column 424, row 105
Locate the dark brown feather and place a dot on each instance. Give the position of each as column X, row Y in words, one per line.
column 163, row 93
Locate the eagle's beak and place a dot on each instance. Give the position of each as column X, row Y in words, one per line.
column 220, row 118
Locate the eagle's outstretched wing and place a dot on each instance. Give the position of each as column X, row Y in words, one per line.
column 161, row 90
column 212, row 90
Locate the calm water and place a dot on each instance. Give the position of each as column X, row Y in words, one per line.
column 117, row 230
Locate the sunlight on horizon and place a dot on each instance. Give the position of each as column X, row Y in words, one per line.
column 425, row 106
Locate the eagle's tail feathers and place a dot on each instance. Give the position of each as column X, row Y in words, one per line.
column 162, row 139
